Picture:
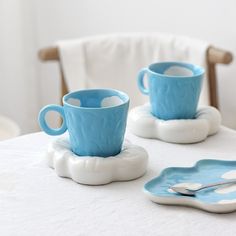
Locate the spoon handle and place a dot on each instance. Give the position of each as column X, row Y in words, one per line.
column 232, row 181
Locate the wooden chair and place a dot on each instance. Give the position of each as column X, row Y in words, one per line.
column 214, row 56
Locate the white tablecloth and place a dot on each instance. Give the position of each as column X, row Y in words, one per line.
column 35, row 201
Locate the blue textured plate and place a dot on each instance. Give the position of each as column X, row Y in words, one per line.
column 218, row 199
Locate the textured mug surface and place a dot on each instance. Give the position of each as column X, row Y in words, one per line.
column 95, row 119
column 173, row 88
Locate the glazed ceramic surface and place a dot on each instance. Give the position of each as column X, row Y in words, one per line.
column 216, row 199
column 129, row 164
column 174, row 89
column 142, row 123
column 95, row 119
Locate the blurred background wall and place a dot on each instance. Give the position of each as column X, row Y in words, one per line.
column 27, row 25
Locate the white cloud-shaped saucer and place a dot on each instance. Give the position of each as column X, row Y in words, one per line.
column 142, row 123
column 129, row 164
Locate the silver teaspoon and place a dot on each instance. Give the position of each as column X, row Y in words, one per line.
column 192, row 191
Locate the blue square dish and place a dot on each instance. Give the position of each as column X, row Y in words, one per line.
column 216, row 199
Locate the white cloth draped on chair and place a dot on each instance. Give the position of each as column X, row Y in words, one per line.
column 115, row 60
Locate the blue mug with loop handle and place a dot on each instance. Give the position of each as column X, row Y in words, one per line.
column 95, row 120
column 173, row 89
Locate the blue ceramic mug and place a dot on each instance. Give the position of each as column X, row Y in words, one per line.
column 173, row 88
column 95, row 119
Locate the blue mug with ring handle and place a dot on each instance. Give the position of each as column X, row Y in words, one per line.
column 95, row 120
column 173, row 88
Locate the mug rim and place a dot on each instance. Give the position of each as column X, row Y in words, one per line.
column 185, row 64
column 127, row 99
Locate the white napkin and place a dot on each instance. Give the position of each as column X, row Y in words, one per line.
column 115, row 60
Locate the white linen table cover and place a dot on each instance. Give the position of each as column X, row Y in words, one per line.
column 35, row 201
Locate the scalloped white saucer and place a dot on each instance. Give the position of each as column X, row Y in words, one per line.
column 129, row 164
column 142, row 123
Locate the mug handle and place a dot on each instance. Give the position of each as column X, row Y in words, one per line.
column 43, row 124
column 140, row 81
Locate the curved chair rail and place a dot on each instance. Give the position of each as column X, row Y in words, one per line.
column 214, row 56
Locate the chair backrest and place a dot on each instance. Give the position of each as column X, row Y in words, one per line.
column 213, row 57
